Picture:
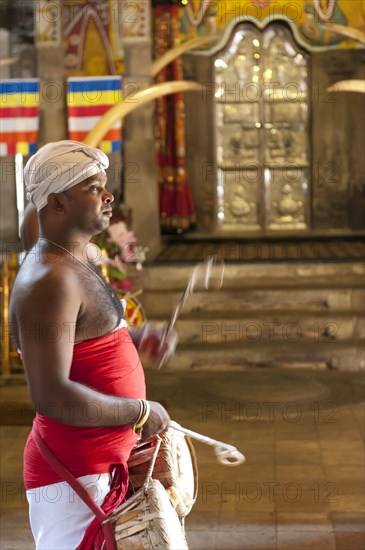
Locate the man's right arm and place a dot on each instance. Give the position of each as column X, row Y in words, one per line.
column 44, row 321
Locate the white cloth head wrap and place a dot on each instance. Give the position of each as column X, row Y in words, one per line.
column 58, row 166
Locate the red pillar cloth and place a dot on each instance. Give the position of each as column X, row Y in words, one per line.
column 176, row 203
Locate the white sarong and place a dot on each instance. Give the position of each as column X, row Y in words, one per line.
column 58, row 516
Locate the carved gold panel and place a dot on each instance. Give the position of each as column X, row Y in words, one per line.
column 286, row 113
column 235, row 146
column 285, row 146
column 261, row 117
column 285, row 204
column 237, row 197
column 243, row 113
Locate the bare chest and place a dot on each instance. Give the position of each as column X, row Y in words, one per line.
column 101, row 309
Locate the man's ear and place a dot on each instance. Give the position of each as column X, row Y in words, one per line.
column 56, row 203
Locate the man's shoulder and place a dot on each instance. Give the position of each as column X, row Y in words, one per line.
column 41, row 271
column 60, row 275
column 45, row 280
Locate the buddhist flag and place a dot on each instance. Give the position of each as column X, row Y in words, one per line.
column 88, row 98
column 19, row 116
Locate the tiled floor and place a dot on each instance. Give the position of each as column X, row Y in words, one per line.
column 302, row 486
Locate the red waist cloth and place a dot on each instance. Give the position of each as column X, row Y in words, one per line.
column 111, row 365
column 94, row 537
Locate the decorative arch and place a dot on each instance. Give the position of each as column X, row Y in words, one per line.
column 261, row 24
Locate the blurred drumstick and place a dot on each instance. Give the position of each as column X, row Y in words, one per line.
column 201, row 277
column 226, row 454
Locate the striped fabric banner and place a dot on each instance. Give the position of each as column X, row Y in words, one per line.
column 88, row 98
column 19, row 116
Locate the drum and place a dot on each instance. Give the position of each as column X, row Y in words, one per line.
column 148, row 521
column 175, row 467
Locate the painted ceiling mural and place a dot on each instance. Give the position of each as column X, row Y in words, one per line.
column 94, row 31
column 87, row 33
column 202, row 17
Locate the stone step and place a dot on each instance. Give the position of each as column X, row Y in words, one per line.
column 348, row 355
column 160, row 304
column 260, row 275
column 252, row 247
column 268, row 326
column 266, row 315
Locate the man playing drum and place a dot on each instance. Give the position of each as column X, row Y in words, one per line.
column 85, row 378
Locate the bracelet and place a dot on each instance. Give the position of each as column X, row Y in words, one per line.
column 143, row 417
column 141, row 410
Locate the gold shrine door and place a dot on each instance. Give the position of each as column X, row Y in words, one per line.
column 261, row 115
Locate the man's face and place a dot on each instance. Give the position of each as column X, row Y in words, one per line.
column 88, row 204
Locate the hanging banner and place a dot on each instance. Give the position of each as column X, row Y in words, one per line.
column 19, row 116
column 88, row 98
